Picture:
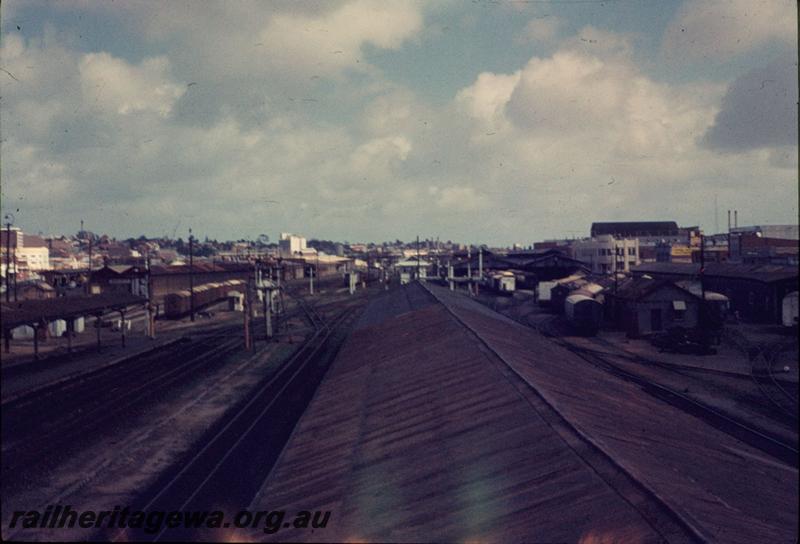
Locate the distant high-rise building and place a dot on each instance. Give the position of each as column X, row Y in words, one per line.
column 291, row 243
column 606, row 254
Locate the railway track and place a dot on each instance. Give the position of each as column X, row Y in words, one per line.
column 762, row 373
column 50, row 422
column 760, row 439
column 226, row 469
column 769, row 385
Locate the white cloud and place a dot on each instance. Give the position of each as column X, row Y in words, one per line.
column 113, row 85
column 713, row 29
column 390, row 112
column 588, row 134
column 461, row 199
column 329, row 43
column 260, row 144
column 486, row 99
column 377, row 157
column 543, row 29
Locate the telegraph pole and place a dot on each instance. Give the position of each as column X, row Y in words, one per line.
column 9, row 220
column 246, row 314
column 418, row 276
column 191, row 276
column 151, row 322
column 702, row 282
column 15, row 272
column 269, row 312
column 89, row 278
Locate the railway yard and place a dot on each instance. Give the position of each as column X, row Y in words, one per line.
column 410, row 413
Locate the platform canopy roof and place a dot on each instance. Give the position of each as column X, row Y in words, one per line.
column 28, row 312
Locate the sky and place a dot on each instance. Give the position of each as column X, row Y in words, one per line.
column 494, row 122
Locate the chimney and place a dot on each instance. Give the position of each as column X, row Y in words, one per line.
column 729, row 220
column 735, row 218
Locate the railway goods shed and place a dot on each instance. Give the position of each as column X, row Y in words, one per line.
column 441, row 420
column 755, row 291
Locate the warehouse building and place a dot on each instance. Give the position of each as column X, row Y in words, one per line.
column 756, row 292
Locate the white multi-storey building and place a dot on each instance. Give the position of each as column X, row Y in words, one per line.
column 30, row 252
column 35, row 252
column 606, row 254
column 291, row 244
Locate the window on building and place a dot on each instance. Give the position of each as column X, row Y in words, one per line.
column 678, row 310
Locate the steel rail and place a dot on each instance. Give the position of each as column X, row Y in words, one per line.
column 766, row 381
column 22, row 451
column 754, row 437
column 242, row 423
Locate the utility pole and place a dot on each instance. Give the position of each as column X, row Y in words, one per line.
column 89, row 278
column 418, row 275
column 246, row 314
column 14, row 260
column 151, row 322
column 9, row 220
column 701, row 319
column 191, row 276
column 267, row 311
column 729, row 235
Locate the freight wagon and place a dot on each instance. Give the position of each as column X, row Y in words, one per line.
column 503, row 283
column 584, row 313
column 179, row 304
column 543, row 291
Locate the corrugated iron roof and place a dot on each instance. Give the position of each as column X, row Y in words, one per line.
column 639, row 288
column 416, row 436
column 26, row 312
column 758, row 272
column 635, row 228
column 725, row 489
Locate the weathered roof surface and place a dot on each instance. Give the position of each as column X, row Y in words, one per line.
column 26, row 312
column 415, row 435
column 758, row 272
column 200, row 267
column 635, row 228
column 696, row 289
column 32, row 240
column 636, row 289
column 526, row 261
column 728, row 491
